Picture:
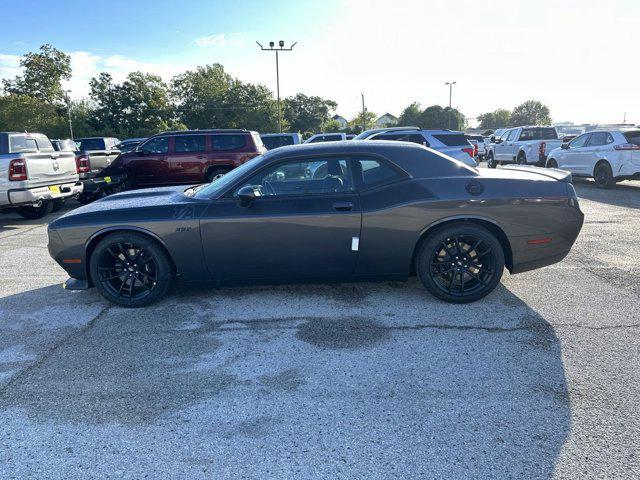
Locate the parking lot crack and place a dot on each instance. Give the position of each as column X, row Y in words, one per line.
column 49, row 353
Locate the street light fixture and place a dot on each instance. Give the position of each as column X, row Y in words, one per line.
column 451, row 84
column 280, row 49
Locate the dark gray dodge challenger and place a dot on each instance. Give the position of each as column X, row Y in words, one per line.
column 343, row 211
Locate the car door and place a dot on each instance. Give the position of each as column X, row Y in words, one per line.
column 305, row 224
column 571, row 159
column 592, row 152
column 187, row 159
column 150, row 165
column 509, row 145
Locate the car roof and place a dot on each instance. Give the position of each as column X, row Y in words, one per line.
column 279, row 134
column 205, row 131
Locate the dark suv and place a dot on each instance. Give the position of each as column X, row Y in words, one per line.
column 184, row 157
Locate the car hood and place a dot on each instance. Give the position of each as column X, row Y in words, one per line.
column 133, row 199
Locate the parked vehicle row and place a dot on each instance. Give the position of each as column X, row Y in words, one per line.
column 34, row 177
column 608, row 156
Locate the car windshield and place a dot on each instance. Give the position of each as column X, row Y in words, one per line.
column 218, row 186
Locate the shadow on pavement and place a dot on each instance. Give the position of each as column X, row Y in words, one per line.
column 623, row 194
column 382, row 379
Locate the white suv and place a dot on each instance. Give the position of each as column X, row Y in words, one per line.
column 450, row 143
column 608, row 156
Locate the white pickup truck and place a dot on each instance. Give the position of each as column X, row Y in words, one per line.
column 523, row 145
column 33, row 176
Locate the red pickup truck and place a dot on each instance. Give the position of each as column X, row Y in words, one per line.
column 182, row 157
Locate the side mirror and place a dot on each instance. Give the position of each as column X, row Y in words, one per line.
column 247, row 194
column 565, row 146
column 497, row 141
column 493, row 138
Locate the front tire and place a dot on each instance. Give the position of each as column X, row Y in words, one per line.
column 491, row 162
column 603, row 175
column 130, row 269
column 35, row 213
column 460, row 263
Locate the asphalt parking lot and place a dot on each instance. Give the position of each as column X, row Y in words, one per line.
column 539, row 380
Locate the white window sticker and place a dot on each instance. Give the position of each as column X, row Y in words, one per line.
column 355, row 243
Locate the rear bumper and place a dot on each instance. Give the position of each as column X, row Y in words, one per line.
column 33, row 196
column 95, row 184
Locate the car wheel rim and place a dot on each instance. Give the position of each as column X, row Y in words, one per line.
column 462, row 265
column 601, row 176
column 127, row 271
column 217, row 176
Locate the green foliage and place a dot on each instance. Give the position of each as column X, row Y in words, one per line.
column 433, row 117
column 43, row 73
column 26, row 113
column 411, row 115
column 332, row 126
column 531, row 112
column 304, row 113
column 497, row 119
column 358, row 124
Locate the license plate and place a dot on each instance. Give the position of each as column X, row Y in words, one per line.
column 55, row 189
column 107, row 179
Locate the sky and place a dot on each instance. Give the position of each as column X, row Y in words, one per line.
column 576, row 56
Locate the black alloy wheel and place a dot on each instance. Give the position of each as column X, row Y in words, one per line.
column 491, row 163
column 603, row 175
column 461, row 263
column 36, row 212
column 130, row 269
column 552, row 163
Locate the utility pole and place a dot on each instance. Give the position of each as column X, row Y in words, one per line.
column 69, row 112
column 272, row 48
column 451, row 84
column 364, row 113
column 624, row 120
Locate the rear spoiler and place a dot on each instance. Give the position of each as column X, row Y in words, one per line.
column 555, row 173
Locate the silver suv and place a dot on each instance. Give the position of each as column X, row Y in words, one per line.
column 451, row 143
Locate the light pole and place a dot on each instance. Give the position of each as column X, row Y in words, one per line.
column 364, row 114
column 272, row 48
column 69, row 112
column 451, row 84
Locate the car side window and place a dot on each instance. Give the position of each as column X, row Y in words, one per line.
column 189, row 143
column 579, row 141
column 512, row 135
column 375, row 172
column 304, row 177
column 156, row 145
column 227, row 142
column 598, row 139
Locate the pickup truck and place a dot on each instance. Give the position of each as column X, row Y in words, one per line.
column 523, row 145
column 93, row 155
column 33, row 176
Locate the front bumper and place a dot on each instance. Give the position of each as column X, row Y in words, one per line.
column 33, row 196
column 95, row 184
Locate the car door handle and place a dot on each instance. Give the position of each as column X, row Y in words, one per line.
column 343, row 206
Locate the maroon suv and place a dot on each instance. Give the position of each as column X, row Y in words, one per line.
column 186, row 157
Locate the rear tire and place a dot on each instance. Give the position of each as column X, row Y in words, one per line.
column 551, row 163
column 216, row 173
column 522, row 159
column 130, row 269
column 460, row 262
column 34, row 213
column 603, row 175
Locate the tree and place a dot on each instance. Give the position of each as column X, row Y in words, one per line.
column 497, row 119
column 251, row 106
column 411, row 115
column 43, row 74
column 305, row 113
column 332, row 126
column 201, row 94
column 531, row 112
column 27, row 113
column 356, row 123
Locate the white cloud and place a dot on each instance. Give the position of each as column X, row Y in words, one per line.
column 221, row 40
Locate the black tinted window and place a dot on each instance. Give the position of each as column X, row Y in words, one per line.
column 598, row 139
column 223, row 143
column 375, row 172
column 156, row 145
column 91, row 144
column 189, row 143
column 579, row 141
column 538, row 134
column 274, row 142
column 633, row 137
column 452, row 140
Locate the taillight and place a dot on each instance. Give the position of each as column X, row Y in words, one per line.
column 627, row 146
column 82, row 164
column 17, row 170
column 542, row 148
column 469, row 151
column 475, row 150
